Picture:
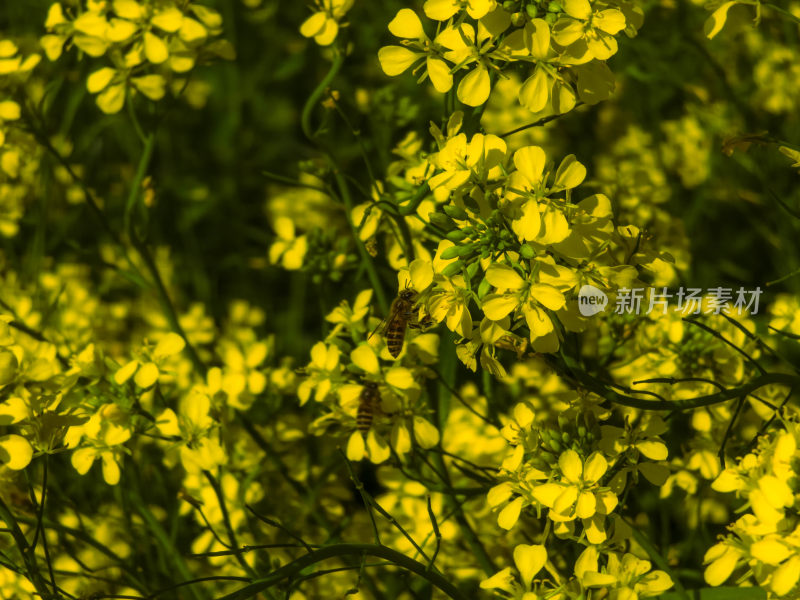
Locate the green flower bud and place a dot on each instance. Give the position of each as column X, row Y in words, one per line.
column 472, row 269
column 531, row 10
column 554, row 7
column 451, row 252
column 442, row 221
column 484, row 288
column 453, row 268
column 456, row 235
column 526, row 251
column 455, row 212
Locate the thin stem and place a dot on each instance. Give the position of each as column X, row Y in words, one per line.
column 297, row 566
column 308, row 108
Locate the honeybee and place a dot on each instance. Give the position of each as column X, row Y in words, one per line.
column 368, row 403
column 401, row 316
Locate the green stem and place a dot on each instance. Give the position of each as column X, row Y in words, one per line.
column 603, row 390
column 167, row 547
column 163, row 296
column 366, row 261
column 295, row 567
column 26, row 550
column 308, row 108
column 782, row 11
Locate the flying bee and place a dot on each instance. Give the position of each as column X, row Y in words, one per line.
column 368, row 404
column 401, row 316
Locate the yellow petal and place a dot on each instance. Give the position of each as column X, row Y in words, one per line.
column 168, row 20
column 534, row 93
column 611, row 20
column 510, row 514
column 124, row 373
column 328, row 33
column 53, row 46
column 401, row 438
column 400, row 378
column 499, row 494
column 723, row 561
column 530, row 162
column 770, row 551
column 111, row 471
column 146, row 376
column 396, row 59
column 716, row 21
column 579, row 9
column 439, row 72
column 570, row 173
column 356, row 447
column 571, row 466
column 595, row 467
column 540, row 39
column 15, row 451
column 313, row 24
column 155, row 49
column 169, row 345
column 529, row 560
column 92, row 24
column 99, row 80
column 92, row 45
column 785, row 577
column 421, row 273
column 406, row 24
column 152, row 86
column 587, row 562
column 55, row 16
column 497, row 307
column 440, row 10
column 82, row 460
column 567, row 31
column 547, row 296
column 475, row 87
column 425, row 433
column 112, row 99
column 504, row 277
column 377, row 448
column 586, row 506
column 167, row 423
column 208, row 16
column 128, row 9
column 120, row 30
column 364, row 358
column 192, row 32
column 652, row 449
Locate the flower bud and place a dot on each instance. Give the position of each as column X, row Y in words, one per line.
column 455, row 212
column 453, row 268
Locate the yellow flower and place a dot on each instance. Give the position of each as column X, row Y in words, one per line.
column 441, row 10
column 147, row 371
column 528, row 297
column 323, row 25
column 289, row 250
column 578, row 494
column 588, row 33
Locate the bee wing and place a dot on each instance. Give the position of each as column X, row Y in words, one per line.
column 384, row 325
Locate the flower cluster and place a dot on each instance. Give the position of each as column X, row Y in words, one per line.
column 563, row 47
column 762, row 543
column 149, row 46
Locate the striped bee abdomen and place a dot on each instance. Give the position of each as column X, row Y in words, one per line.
column 367, row 403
